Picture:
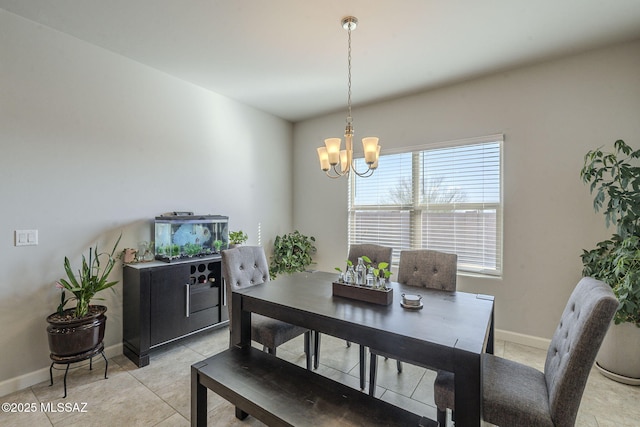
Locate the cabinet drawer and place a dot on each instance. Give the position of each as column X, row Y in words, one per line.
column 203, row 296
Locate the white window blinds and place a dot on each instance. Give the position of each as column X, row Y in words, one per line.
column 446, row 197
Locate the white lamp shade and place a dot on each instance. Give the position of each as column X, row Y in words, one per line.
column 333, row 150
column 323, row 156
column 375, row 164
column 344, row 161
column 370, row 146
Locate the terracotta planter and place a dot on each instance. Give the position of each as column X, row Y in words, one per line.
column 70, row 336
column 618, row 357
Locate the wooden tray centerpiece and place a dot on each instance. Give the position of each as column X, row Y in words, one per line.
column 382, row 296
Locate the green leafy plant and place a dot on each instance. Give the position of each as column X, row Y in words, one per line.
column 217, row 244
column 291, row 252
column 237, row 237
column 349, row 264
column 91, row 278
column 615, row 179
column 382, row 270
column 192, row 249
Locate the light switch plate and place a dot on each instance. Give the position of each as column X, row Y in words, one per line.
column 26, row 237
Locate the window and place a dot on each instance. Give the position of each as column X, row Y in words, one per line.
column 445, row 197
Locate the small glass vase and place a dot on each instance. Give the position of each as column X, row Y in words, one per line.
column 350, row 276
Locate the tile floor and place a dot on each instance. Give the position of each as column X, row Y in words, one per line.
column 159, row 394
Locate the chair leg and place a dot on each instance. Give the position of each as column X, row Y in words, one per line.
column 307, row 348
column 316, row 350
column 399, row 363
column 442, row 418
column 373, row 372
column 271, row 350
column 363, row 366
column 348, row 343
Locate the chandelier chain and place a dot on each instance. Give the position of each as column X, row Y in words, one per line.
column 349, row 118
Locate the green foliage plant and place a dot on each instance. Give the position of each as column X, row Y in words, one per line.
column 237, row 237
column 615, row 180
column 292, row 252
column 192, row 249
column 91, row 278
column 349, row 264
column 382, row 271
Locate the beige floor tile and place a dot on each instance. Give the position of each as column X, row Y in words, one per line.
column 208, row 343
column 404, row 383
column 24, row 410
column 159, row 394
column 225, row 416
column 121, row 400
column 529, row 356
column 176, row 420
column 424, row 390
column 409, row 404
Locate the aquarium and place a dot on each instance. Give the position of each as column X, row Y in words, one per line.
column 180, row 237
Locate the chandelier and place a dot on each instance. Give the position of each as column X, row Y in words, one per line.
column 334, row 161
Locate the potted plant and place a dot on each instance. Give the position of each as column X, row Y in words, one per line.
column 80, row 329
column 237, row 238
column 615, row 179
column 291, row 252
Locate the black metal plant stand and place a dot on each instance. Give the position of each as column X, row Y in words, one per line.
column 68, row 360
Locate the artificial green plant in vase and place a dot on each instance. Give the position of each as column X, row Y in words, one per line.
column 614, row 178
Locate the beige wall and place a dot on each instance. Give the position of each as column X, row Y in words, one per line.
column 551, row 114
column 93, row 144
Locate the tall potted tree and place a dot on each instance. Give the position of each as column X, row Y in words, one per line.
column 615, row 180
column 80, row 329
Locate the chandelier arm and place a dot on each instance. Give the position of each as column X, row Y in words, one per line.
column 364, row 174
column 337, row 174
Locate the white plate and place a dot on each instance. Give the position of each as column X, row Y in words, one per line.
column 412, row 307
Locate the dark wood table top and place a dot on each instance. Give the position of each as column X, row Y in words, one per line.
column 449, row 321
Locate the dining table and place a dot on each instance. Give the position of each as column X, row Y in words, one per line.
column 449, row 331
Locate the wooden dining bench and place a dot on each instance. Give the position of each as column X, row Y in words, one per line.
column 279, row 393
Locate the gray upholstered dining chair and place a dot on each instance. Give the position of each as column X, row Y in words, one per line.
column 514, row 394
column 422, row 268
column 377, row 254
column 246, row 266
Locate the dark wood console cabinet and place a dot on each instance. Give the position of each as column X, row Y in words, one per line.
column 163, row 302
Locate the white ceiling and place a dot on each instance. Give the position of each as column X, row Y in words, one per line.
column 289, row 57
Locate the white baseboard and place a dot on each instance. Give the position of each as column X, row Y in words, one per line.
column 32, row 378
column 530, row 340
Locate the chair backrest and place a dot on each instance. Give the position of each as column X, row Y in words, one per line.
column 428, row 269
column 574, row 347
column 243, row 267
column 376, row 254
